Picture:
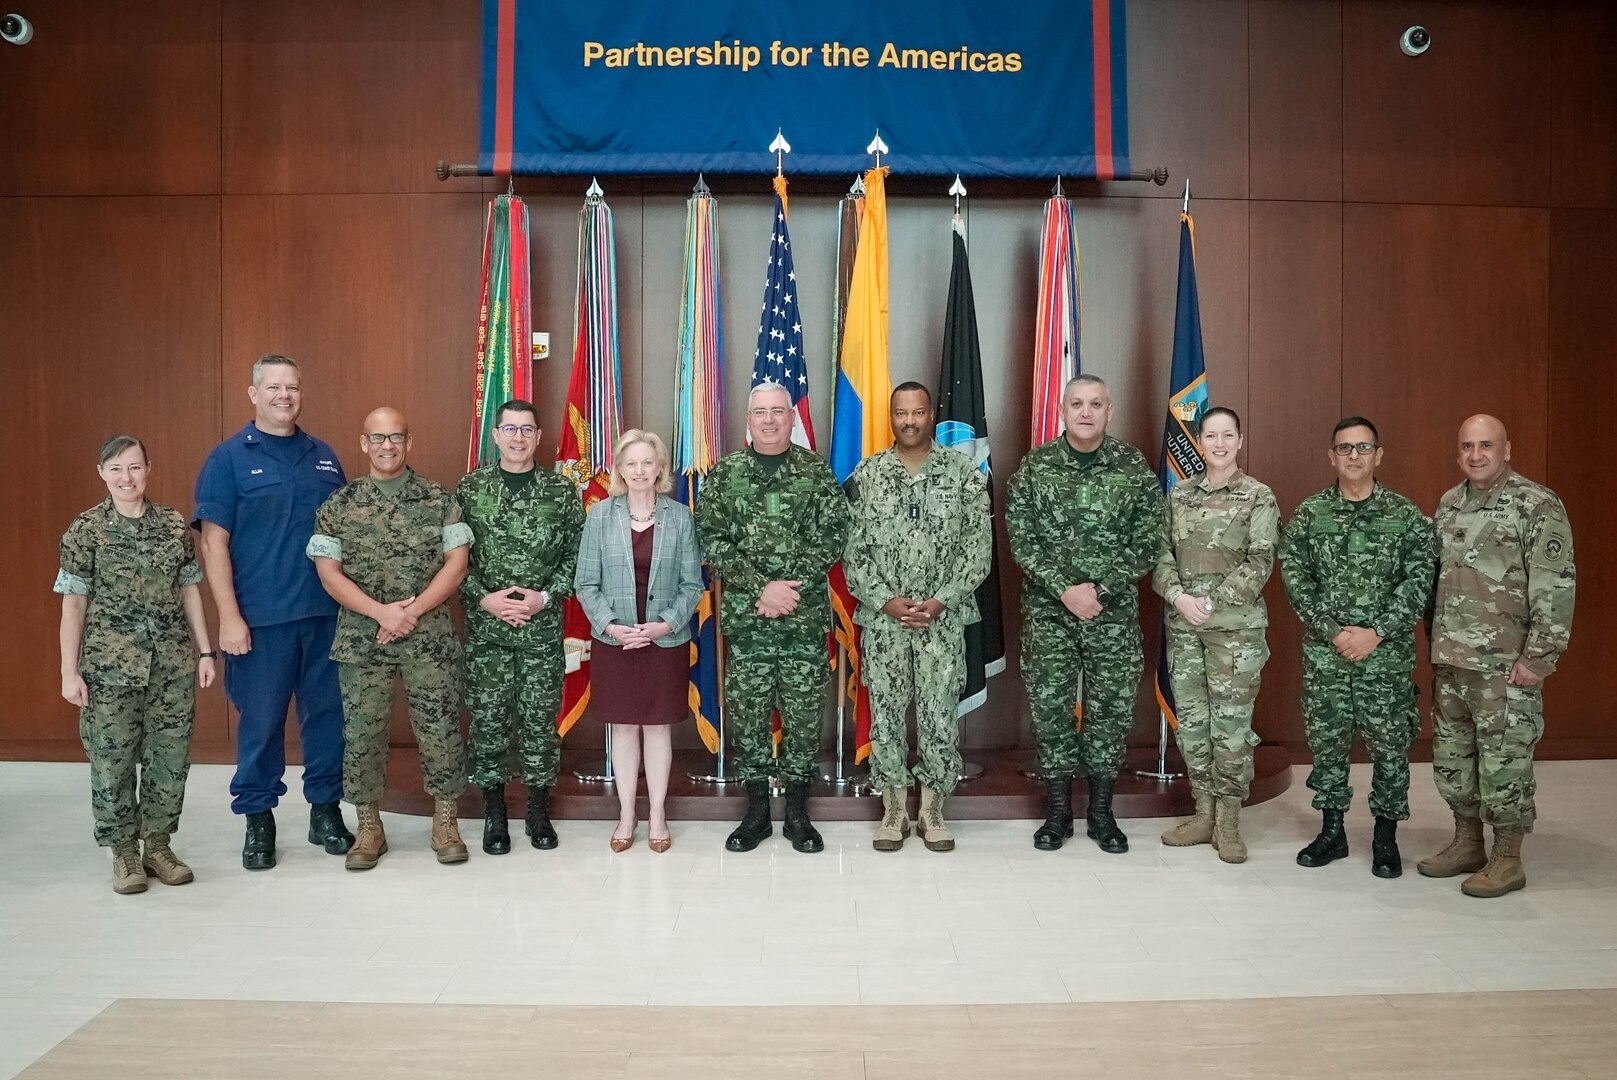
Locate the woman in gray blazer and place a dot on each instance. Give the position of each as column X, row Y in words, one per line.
column 639, row 579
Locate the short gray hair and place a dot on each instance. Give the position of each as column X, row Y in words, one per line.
column 272, row 360
column 1084, row 380
column 768, row 384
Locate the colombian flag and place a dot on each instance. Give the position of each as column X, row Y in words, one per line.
column 860, row 423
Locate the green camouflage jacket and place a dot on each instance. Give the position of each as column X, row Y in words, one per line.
column 391, row 547
column 1072, row 523
column 1368, row 564
column 132, row 569
column 528, row 539
column 754, row 528
column 924, row 536
column 1505, row 582
column 1221, row 544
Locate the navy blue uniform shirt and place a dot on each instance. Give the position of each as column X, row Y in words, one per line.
column 264, row 490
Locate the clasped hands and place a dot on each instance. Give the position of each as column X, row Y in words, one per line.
column 505, row 606
column 779, row 598
column 1355, row 642
column 913, row 614
column 639, row 635
column 1082, row 600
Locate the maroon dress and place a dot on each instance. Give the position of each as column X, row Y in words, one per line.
column 645, row 686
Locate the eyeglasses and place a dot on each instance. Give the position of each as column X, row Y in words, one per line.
column 511, row 431
column 392, row 437
column 1363, row 449
column 776, row 413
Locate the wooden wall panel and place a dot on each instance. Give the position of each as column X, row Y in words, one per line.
column 1295, row 66
column 1445, row 314
column 1583, row 99
column 357, row 97
column 1467, row 122
column 1583, row 342
column 110, row 322
column 1296, row 379
column 112, row 99
column 1188, row 96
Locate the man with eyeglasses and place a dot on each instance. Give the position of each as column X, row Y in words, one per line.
column 256, row 498
column 1501, row 619
column 772, row 520
column 1357, row 560
column 390, row 548
column 526, row 524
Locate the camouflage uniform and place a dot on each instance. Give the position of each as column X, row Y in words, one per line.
column 1221, row 545
column 924, row 536
column 1367, row 564
column 391, row 547
column 137, row 663
column 1505, row 590
column 528, row 539
column 755, row 527
column 1073, row 521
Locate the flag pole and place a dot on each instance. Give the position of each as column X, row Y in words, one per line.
column 969, row 770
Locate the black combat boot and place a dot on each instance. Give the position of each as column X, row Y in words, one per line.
column 326, row 828
column 541, row 834
column 797, row 827
column 1057, row 825
column 755, row 827
column 1102, row 826
column 496, row 826
column 1384, row 858
column 1331, row 843
column 258, row 850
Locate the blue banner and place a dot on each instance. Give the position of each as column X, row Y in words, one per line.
column 954, row 86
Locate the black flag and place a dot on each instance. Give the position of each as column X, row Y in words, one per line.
column 963, row 426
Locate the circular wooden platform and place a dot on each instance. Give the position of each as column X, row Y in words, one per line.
column 1003, row 791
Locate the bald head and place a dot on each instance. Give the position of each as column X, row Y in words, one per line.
column 1484, row 450
column 385, row 440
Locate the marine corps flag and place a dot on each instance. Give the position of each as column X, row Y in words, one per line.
column 590, row 427
column 963, row 426
column 1187, row 401
column 504, row 365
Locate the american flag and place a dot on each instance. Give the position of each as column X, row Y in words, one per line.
column 779, row 356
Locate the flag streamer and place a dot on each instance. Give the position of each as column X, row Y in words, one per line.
column 503, row 369
column 1056, row 331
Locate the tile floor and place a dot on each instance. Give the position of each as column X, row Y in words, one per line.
column 991, row 925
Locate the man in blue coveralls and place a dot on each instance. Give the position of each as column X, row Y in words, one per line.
column 255, row 504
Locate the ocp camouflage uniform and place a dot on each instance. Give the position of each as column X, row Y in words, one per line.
column 1221, row 544
column 391, row 547
column 526, row 538
column 137, row 662
column 1073, row 521
column 926, row 536
column 1505, row 591
column 1366, row 564
column 755, row 527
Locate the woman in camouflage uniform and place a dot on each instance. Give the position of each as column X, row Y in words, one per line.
column 131, row 611
column 1222, row 530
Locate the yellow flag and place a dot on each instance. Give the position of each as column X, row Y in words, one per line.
column 861, row 424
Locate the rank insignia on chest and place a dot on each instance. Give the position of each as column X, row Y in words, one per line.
column 1358, row 542
column 772, row 503
column 915, row 511
column 1084, row 496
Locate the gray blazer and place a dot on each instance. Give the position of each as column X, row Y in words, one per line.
column 604, row 579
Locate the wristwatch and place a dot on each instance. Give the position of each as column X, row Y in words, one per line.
column 1207, row 604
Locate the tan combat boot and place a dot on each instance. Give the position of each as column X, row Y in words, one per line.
column 1466, row 853
column 1227, row 829
column 128, row 876
column 895, row 820
column 161, row 863
column 932, row 830
column 446, row 839
column 371, row 842
column 1504, row 871
column 1198, row 830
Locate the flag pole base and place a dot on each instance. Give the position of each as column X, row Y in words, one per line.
column 720, row 775
column 968, row 771
column 835, row 771
column 587, row 777
column 1160, row 777
column 1032, row 771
